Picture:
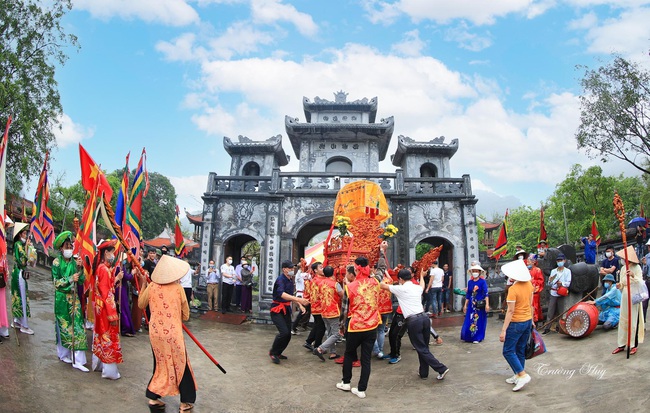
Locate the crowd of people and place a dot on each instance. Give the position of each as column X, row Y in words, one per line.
column 110, row 302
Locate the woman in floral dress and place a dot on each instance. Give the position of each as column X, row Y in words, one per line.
column 475, row 324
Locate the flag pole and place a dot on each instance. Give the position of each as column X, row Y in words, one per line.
column 136, row 264
column 619, row 211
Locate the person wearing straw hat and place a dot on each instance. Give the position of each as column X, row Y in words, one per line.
column 19, row 287
column 476, row 306
column 637, row 325
column 172, row 373
column 107, row 349
column 518, row 322
column 68, row 319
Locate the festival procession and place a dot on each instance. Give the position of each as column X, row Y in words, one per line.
column 451, row 221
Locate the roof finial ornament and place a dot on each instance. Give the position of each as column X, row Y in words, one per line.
column 340, row 97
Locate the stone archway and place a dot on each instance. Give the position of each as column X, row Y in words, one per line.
column 307, row 231
column 446, row 255
column 236, row 246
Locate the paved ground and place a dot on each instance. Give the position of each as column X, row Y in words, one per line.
column 573, row 376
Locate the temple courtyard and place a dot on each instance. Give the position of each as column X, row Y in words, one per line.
column 575, row 375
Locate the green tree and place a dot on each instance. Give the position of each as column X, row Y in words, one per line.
column 523, row 228
column 32, row 44
column 159, row 206
column 584, row 191
column 615, row 113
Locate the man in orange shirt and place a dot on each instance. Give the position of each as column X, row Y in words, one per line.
column 517, row 325
column 362, row 328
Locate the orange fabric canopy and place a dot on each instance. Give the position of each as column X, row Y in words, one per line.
column 361, row 199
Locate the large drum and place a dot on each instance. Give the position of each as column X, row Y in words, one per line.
column 580, row 320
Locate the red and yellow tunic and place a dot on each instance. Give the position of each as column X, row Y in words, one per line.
column 385, row 305
column 330, row 298
column 315, row 295
column 363, row 293
column 106, row 337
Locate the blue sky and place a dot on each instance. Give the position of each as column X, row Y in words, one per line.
column 176, row 76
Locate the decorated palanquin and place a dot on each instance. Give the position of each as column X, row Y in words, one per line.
column 359, row 211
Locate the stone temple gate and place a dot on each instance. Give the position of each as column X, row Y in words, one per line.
column 339, row 142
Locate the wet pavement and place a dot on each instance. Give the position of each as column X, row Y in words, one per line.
column 573, row 376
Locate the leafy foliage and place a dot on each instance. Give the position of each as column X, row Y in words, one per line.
column 32, row 43
column 615, row 113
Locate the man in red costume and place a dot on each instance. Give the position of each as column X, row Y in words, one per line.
column 364, row 317
column 537, row 278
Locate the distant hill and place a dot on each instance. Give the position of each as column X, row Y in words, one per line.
column 491, row 204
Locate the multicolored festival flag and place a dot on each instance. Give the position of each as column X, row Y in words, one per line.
column 42, row 227
column 594, row 228
column 501, row 247
column 122, row 198
column 543, row 236
column 179, row 241
column 4, row 269
column 139, row 189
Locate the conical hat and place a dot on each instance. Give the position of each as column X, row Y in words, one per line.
column 631, row 254
column 516, row 270
column 169, row 269
column 18, row 228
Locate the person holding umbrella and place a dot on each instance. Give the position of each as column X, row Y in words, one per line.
column 68, row 320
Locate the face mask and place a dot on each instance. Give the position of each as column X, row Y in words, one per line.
column 243, row 262
column 560, row 264
column 521, row 257
column 67, row 254
column 530, row 266
column 475, row 274
column 229, row 261
column 290, row 273
column 608, row 254
column 541, row 250
column 607, row 285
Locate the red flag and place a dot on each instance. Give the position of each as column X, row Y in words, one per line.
column 179, row 242
column 4, row 267
column 501, row 247
column 92, row 177
column 594, row 229
column 542, row 229
column 643, row 216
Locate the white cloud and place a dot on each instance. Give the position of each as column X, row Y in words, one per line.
column 189, row 190
column 239, row 39
column 444, row 11
column 626, row 34
column 466, row 40
column 169, row 12
column 585, row 22
column 181, row 48
column 70, row 133
column 272, row 11
column 411, row 45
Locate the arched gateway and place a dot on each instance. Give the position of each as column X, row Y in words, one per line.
column 340, row 142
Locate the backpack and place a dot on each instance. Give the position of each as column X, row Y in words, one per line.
column 246, row 277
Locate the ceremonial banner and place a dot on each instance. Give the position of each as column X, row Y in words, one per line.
column 594, row 228
column 92, row 177
column 122, row 198
column 139, row 189
column 41, row 225
column 542, row 229
column 179, row 242
column 4, row 269
column 501, row 247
